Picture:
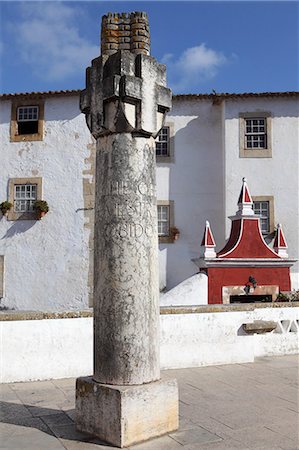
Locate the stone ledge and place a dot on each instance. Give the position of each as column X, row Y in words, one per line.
column 224, row 308
column 259, row 327
column 39, row 315
column 6, row 316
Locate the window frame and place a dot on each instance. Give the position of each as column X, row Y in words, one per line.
column 167, row 239
column 28, row 215
column 255, row 152
column 270, row 200
column 170, row 144
column 260, row 135
column 31, row 102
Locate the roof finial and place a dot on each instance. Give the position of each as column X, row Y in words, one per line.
column 208, row 242
column 280, row 244
column 245, row 203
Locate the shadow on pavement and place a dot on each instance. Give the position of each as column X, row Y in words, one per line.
column 54, row 422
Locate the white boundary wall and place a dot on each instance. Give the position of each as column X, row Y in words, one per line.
column 190, row 337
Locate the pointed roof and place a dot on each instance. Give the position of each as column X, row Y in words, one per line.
column 245, row 202
column 208, row 238
column 280, row 243
column 246, row 239
column 246, row 246
column 208, row 243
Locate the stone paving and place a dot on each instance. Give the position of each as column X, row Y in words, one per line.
column 240, row 406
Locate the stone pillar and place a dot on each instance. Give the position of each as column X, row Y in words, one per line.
column 125, row 102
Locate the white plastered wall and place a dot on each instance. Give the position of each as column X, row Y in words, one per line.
column 46, row 262
column 276, row 176
column 63, row 347
column 194, row 181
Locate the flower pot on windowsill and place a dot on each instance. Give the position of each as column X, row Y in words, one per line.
column 41, row 207
column 5, row 207
column 175, row 233
column 40, row 214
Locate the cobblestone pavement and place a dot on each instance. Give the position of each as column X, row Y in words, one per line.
column 240, row 406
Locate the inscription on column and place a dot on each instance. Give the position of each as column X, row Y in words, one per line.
column 129, row 217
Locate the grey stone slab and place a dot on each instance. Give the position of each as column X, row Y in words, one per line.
column 162, row 443
column 75, row 445
column 214, row 426
column 196, row 435
column 7, row 394
column 186, row 424
column 229, row 444
column 44, row 400
column 65, row 382
column 66, row 405
column 31, row 385
column 285, row 427
column 24, row 438
column 242, row 418
column 70, row 432
column 71, row 413
column 60, row 419
column 259, row 436
column 29, row 422
column 255, row 403
column 37, row 411
column 9, row 411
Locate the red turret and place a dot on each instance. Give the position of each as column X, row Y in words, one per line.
column 246, row 268
column 246, row 239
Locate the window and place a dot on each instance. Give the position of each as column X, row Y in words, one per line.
column 263, row 206
column 165, row 212
column 255, row 135
column 1, row 275
column 23, row 192
column 163, row 220
column 165, row 143
column 24, row 198
column 162, row 142
column 27, row 120
column 262, row 209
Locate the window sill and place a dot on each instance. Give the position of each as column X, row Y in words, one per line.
column 26, row 137
column 249, row 153
column 164, row 159
column 12, row 216
column 166, row 240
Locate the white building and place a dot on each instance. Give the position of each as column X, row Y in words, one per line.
column 208, row 144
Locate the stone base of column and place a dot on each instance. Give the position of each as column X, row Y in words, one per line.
column 126, row 415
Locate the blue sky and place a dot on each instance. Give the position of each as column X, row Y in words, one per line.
column 222, row 46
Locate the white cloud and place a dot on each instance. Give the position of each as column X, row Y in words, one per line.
column 48, row 39
column 193, row 66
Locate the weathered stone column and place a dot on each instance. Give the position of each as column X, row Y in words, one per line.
column 125, row 101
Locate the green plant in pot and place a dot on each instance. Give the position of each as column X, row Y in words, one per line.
column 41, row 207
column 5, row 207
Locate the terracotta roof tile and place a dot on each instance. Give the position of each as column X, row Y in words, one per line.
column 217, row 96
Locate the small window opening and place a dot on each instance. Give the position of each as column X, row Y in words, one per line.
column 163, row 220
column 25, row 196
column 27, row 119
column 162, row 142
column 250, row 298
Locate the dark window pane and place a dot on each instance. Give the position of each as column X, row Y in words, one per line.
column 28, row 127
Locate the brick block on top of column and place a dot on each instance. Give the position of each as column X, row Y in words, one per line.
column 132, row 25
